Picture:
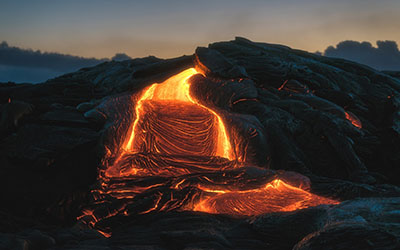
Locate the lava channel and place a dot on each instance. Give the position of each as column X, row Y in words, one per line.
column 174, row 149
column 276, row 196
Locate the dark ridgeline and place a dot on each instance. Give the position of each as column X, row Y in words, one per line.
column 26, row 65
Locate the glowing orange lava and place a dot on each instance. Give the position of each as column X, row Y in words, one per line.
column 176, row 89
column 177, row 156
column 353, row 119
column 276, row 196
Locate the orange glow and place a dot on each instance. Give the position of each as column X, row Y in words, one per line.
column 282, row 85
column 276, row 196
column 176, row 89
column 177, row 156
column 353, row 119
column 105, row 234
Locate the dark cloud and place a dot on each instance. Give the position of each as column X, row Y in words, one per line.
column 386, row 56
column 14, row 56
column 120, row 57
column 25, row 65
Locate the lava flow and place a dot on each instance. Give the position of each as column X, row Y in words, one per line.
column 353, row 119
column 275, row 196
column 178, row 155
column 192, row 120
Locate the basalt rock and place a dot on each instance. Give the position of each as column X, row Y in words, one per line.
column 327, row 126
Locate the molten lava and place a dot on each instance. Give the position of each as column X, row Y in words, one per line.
column 191, row 120
column 275, row 196
column 353, row 119
column 177, row 155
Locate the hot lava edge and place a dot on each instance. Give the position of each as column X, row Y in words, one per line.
column 145, row 174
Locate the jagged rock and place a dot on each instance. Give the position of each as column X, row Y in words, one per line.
column 222, row 94
column 156, row 72
column 213, row 64
column 293, row 227
column 395, row 74
column 10, row 242
column 33, row 141
column 38, row 239
column 85, row 106
column 346, row 190
column 349, row 235
column 96, row 116
column 249, row 138
column 12, row 112
column 294, row 86
column 65, row 116
column 105, row 76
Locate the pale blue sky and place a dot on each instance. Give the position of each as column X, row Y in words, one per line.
column 100, row 28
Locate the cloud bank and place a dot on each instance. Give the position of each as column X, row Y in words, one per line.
column 386, row 56
column 25, row 65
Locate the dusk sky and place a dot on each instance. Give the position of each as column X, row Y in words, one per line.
column 100, row 28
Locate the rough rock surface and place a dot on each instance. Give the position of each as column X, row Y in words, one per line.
column 335, row 121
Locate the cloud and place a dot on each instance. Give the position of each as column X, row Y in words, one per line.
column 14, row 56
column 26, row 65
column 386, row 56
column 120, row 57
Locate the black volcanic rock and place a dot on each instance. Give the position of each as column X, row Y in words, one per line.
column 213, row 64
column 395, row 74
column 339, row 86
column 335, row 121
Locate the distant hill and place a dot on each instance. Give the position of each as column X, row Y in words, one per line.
column 26, row 65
